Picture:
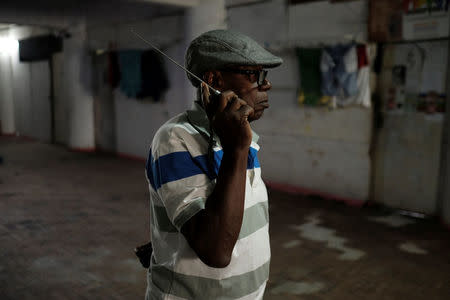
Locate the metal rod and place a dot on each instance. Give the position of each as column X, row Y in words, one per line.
column 172, row 60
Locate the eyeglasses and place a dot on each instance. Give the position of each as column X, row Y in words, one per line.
column 260, row 75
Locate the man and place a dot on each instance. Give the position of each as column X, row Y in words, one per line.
column 209, row 211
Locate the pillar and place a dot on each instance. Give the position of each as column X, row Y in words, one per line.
column 7, row 120
column 208, row 15
column 78, row 90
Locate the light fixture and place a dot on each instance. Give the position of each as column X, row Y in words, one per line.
column 8, row 45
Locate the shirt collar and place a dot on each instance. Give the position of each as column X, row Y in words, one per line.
column 198, row 118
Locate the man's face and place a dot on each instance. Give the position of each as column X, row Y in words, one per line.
column 246, row 87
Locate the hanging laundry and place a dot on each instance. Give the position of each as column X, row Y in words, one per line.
column 130, row 72
column 339, row 66
column 309, row 65
column 363, row 59
column 154, row 76
column 363, row 94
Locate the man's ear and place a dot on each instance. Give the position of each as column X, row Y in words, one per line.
column 214, row 79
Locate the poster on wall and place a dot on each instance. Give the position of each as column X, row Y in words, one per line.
column 425, row 25
column 418, row 76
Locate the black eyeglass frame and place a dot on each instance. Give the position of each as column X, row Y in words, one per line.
column 261, row 74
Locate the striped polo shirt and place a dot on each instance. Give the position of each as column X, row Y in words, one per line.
column 180, row 181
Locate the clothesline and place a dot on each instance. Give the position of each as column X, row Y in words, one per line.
column 163, row 46
column 311, row 42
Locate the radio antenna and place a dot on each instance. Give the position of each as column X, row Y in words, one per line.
column 172, row 60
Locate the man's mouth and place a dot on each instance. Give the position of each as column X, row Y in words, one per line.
column 264, row 104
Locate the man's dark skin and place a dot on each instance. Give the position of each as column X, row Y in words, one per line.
column 212, row 233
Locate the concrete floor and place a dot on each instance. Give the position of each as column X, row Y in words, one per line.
column 69, row 223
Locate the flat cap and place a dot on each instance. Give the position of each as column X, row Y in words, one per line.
column 217, row 49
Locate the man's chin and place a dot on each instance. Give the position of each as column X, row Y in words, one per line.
column 256, row 115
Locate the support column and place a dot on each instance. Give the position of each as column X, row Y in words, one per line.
column 7, row 120
column 444, row 191
column 78, row 90
column 208, row 15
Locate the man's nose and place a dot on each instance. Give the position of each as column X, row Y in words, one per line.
column 265, row 86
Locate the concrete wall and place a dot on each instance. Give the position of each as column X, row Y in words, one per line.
column 444, row 191
column 31, row 89
column 408, row 162
column 7, row 122
column 311, row 148
column 305, row 147
column 136, row 120
column 73, row 97
column 77, row 88
column 62, row 113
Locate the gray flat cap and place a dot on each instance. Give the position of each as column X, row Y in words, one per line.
column 221, row 48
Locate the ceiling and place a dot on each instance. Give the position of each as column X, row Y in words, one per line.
column 59, row 13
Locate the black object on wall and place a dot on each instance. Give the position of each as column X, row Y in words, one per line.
column 39, row 48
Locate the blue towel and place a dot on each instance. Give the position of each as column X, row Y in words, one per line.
column 130, row 72
column 339, row 67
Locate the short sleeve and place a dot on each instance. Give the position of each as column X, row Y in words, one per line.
column 179, row 178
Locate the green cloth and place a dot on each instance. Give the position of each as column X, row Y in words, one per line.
column 310, row 76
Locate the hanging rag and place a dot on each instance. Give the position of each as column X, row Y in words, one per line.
column 363, row 59
column 154, row 75
column 309, row 65
column 130, row 72
column 339, row 69
column 363, row 95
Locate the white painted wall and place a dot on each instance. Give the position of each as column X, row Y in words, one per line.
column 208, row 15
column 7, row 122
column 444, row 197
column 137, row 121
column 40, row 101
column 73, row 96
column 78, row 89
column 324, row 22
column 408, row 161
column 61, row 101
column 306, row 147
column 313, row 148
column 31, row 89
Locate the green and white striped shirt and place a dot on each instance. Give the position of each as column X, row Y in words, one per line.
column 180, row 182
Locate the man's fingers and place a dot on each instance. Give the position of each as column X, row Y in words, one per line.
column 236, row 103
column 224, row 99
column 205, row 94
column 245, row 111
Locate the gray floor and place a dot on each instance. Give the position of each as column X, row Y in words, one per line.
column 69, row 222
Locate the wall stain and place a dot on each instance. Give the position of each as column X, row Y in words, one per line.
column 298, row 288
column 392, row 220
column 410, row 247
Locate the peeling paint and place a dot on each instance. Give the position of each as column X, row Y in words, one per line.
column 291, row 244
column 412, row 248
column 392, row 220
column 298, row 288
column 312, row 231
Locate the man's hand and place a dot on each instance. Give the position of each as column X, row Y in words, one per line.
column 212, row 233
column 229, row 116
